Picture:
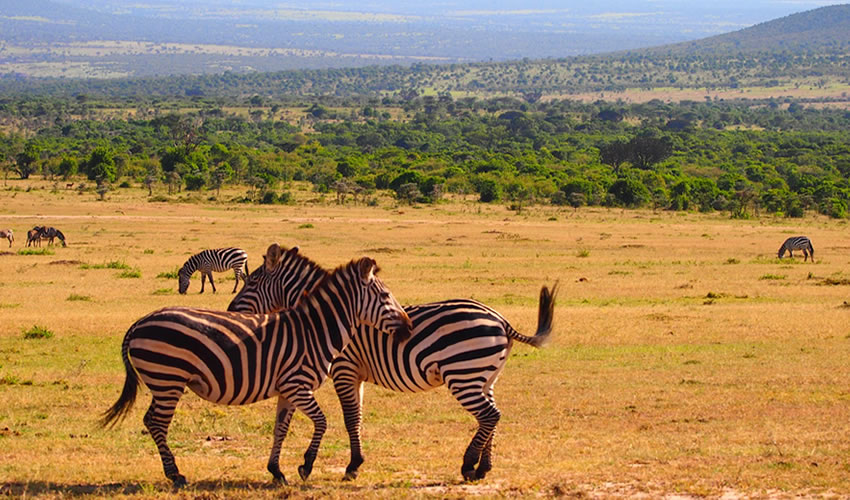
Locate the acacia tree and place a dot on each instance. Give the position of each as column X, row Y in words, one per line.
column 26, row 160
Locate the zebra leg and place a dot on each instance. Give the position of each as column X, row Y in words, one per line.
column 285, row 410
column 203, row 281
column 157, row 419
column 485, row 411
column 303, row 400
column 236, row 274
column 349, row 389
column 486, row 463
column 212, row 283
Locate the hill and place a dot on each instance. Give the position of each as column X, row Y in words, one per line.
column 825, row 29
column 798, row 56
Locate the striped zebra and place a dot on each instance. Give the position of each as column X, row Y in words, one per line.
column 236, row 359
column 798, row 243
column 51, row 233
column 8, row 234
column 460, row 343
column 216, row 259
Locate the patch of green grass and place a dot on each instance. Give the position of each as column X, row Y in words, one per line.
column 581, row 253
column 5, row 305
column 38, row 332
column 75, row 297
column 163, row 291
column 306, row 226
column 35, row 251
column 772, row 277
column 131, row 273
column 148, row 251
column 112, row 264
column 732, row 260
column 171, row 275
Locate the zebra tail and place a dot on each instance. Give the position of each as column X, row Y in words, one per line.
column 545, row 315
column 119, row 410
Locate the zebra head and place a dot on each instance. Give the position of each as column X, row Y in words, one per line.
column 183, row 280
column 279, row 283
column 378, row 307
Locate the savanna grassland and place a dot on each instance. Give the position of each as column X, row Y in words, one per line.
column 686, row 358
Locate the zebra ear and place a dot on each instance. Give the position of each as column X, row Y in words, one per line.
column 272, row 257
column 367, row 268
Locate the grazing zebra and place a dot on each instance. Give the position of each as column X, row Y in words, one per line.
column 8, row 234
column 236, row 359
column 798, row 243
column 460, row 343
column 50, row 233
column 218, row 260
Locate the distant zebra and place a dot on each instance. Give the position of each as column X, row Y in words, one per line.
column 34, row 236
column 218, row 260
column 236, row 359
column 460, row 343
column 798, row 243
column 8, row 234
column 50, row 233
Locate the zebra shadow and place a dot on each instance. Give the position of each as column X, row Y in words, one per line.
column 40, row 488
column 231, row 487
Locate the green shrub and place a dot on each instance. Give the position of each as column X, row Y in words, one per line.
column 38, row 332
column 170, row 275
column 131, row 273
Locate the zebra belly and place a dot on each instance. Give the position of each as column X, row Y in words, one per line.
column 427, row 359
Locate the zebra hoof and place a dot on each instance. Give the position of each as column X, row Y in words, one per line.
column 350, row 475
column 481, row 473
column 277, row 475
column 469, row 475
column 304, row 472
column 178, row 481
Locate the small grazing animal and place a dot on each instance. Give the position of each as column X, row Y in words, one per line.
column 8, row 234
column 798, row 243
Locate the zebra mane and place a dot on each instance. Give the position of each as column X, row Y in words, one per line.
column 323, row 282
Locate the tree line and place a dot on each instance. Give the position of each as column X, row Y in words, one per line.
column 739, row 156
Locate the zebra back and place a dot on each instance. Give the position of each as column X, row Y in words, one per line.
column 279, row 283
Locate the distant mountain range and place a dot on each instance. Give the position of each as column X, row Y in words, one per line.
column 106, row 39
column 801, row 55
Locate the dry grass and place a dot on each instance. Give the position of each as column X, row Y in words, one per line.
column 675, row 368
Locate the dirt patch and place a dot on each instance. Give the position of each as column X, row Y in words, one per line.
column 65, row 263
column 382, row 250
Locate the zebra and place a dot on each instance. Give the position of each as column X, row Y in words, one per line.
column 236, row 359
column 50, row 233
column 218, row 260
column 460, row 343
column 34, row 236
column 797, row 243
column 8, row 234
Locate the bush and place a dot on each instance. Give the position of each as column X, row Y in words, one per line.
column 38, row 332
column 194, row 182
column 489, row 190
column 629, row 192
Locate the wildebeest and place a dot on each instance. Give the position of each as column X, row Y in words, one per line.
column 8, row 234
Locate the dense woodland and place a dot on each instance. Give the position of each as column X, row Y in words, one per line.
column 742, row 157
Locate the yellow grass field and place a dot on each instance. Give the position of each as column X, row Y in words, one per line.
column 686, row 358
